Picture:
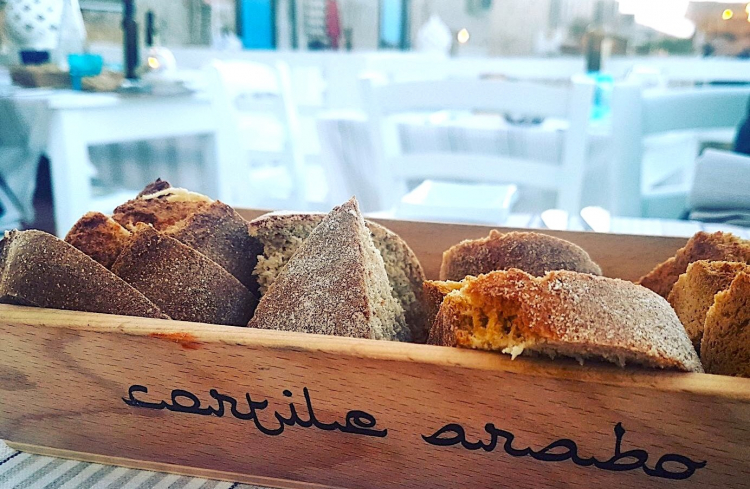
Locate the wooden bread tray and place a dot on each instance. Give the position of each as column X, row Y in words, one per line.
column 296, row 410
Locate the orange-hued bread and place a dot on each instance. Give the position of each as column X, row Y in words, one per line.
column 693, row 293
column 184, row 283
column 718, row 246
column 160, row 205
column 99, row 236
column 38, row 269
column 534, row 253
column 725, row 348
column 335, row 283
column 564, row 313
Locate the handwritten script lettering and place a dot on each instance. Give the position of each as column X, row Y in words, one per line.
column 182, row 401
column 356, row 422
column 566, row 449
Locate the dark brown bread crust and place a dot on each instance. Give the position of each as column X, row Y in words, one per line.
column 579, row 312
column 183, row 282
column 384, row 239
column 37, row 269
column 693, row 293
column 725, row 348
column 221, row 234
column 99, row 236
column 533, row 253
column 434, row 293
column 718, row 246
column 156, row 186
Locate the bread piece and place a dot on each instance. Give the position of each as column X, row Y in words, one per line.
column 693, row 293
column 534, row 253
column 38, row 269
column 564, row 313
column 434, row 293
column 221, row 234
column 162, row 208
column 182, row 282
column 335, row 284
column 281, row 234
column 718, row 246
column 99, row 236
column 725, row 348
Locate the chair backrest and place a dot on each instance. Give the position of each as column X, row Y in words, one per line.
column 396, row 167
column 638, row 114
column 249, row 89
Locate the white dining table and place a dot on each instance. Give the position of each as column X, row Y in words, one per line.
column 64, row 124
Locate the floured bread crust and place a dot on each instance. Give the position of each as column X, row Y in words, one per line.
column 335, row 284
column 37, row 269
column 718, row 246
column 564, row 313
column 99, row 236
column 280, row 234
column 181, row 281
column 725, row 348
column 693, row 294
column 534, row 253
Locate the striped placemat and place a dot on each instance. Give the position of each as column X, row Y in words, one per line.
column 19, row 470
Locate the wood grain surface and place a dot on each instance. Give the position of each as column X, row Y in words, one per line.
column 621, row 256
column 65, row 376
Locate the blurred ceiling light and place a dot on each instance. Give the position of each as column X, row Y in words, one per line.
column 727, row 14
column 153, row 62
column 463, row 36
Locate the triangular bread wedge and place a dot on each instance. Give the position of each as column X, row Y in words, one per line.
column 693, row 293
column 564, row 313
column 181, row 281
column 335, row 284
column 38, row 269
column 280, row 234
column 718, row 246
column 725, row 348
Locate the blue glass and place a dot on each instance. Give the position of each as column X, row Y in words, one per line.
column 83, row 65
column 602, row 95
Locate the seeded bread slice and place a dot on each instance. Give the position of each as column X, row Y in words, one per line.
column 181, row 281
column 38, row 269
column 335, row 283
column 718, row 246
column 725, row 348
column 99, row 236
column 534, row 253
column 564, row 313
column 280, row 234
column 694, row 292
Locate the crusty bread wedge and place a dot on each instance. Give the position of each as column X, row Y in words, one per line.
column 181, row 281
column 564, row 313
column 534, row 253
column 279, row 235
column 99, row 236
column 221, row 234
column 160, row 205
column 718, row 246
column 335, row 283
column 693, row 293
column 725, row 348
column 38, row 269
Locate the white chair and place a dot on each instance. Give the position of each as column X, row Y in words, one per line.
column 395, row 168
column 657, row 184
column 254, row 101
